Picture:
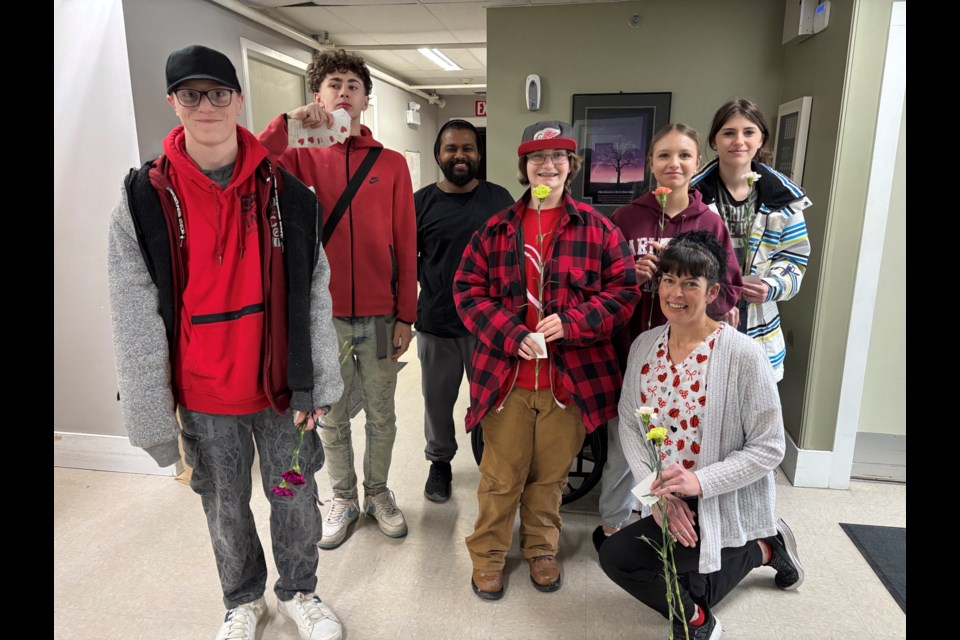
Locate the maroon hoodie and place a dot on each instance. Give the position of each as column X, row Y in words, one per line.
column 640, row 223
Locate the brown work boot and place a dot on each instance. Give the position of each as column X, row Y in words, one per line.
column 487, row 584
column 545, row 573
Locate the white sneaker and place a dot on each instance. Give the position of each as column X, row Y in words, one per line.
column 383, row 507
column 241, row 623
column 313, row 618
column 343, row 512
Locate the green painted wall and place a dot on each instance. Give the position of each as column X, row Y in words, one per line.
column 816, row 67
column 840, row 68
column 842, row 132
column 591, row 49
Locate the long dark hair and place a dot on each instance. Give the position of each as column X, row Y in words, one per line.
column 750, row 111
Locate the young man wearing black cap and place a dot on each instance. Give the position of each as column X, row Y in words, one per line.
column 448, row 213
column 222, row 316
column 574, row 284
column 369, row 232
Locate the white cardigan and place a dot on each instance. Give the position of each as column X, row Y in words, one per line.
column 741, row 442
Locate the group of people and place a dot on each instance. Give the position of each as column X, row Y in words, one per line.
column 254, row 283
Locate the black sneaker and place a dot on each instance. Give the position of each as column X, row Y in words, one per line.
column 437, row 488
column 783, row 558
column 709, row 630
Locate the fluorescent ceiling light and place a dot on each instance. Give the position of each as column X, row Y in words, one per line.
column 438, row 58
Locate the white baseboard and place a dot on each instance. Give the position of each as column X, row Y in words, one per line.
column 105, row 453
column 808, row 468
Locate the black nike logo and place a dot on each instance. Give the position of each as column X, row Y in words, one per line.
column 374, row 180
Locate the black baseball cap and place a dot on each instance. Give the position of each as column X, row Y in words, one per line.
column 198, row 62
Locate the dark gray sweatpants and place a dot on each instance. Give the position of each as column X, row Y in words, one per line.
column 442, row 364
column 220, row 450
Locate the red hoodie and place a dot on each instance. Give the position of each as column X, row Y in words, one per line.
column 218, row 363
column 640, row 223
column 373, row 252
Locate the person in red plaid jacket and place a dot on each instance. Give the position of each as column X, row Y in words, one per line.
column 555, row 267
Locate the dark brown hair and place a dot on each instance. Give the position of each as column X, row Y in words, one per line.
column 327, row 62
column 750, row 111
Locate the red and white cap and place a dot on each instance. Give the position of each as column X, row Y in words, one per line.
column 547, row 134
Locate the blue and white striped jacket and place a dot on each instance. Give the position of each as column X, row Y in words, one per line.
column 778, row 244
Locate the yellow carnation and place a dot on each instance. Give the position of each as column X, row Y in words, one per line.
column 541, row 192
column 657, row 434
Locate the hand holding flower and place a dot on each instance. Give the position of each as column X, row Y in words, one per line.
column 681, row 520
column 551, row 327
column 310, row 419
column 676, row 479
column 755, row 290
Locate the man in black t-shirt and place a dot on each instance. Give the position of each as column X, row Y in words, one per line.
column 448, row 213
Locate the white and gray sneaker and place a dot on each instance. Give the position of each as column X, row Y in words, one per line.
column 343, row 512
column 314, row 619
column 240, row 623
column 383, row 507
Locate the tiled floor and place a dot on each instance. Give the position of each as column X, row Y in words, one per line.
column 132, row 560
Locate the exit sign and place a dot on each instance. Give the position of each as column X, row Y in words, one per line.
column 480, row 108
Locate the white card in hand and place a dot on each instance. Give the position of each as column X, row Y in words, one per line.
column 301, row 137
column 642, row 490
column 541, row 342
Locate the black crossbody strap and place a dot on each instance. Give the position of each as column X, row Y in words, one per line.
column 349, row 192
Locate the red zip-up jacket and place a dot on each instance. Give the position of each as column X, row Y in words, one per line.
column 591, row 285
column 373, row 252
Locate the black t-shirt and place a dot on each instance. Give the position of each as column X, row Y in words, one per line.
column 445, row 224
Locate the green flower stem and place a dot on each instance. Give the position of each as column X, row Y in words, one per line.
column 540, row 260
column 676, row 586
column 653, row 289
column 295, row 464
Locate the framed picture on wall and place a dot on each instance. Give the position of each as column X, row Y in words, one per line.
column 613, row 132
column 790, row 148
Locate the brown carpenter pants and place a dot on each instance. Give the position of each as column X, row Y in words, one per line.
column 528, row 448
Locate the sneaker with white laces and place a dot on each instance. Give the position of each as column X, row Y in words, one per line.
column 343, row 512
column 314, row 619
column 383, row 507
column 240, row 623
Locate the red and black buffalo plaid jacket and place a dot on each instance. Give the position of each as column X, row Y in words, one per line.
column 591, row 285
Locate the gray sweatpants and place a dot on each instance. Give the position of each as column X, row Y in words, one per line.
column 220, row 450
column 442, row 363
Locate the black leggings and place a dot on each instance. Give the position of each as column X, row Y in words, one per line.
column 635, row 566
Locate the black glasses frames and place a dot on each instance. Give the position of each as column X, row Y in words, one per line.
column 218, row 96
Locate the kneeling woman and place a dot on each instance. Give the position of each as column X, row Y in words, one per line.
column 714, row 392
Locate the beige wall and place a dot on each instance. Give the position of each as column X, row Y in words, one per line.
column 459, row 107
column 598, row 52
column 886, row 378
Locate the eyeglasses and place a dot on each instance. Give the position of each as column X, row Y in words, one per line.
column 219, row 97
column 558, row 157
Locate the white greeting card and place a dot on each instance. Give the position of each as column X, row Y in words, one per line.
column 642, row 490
column 301, row 137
